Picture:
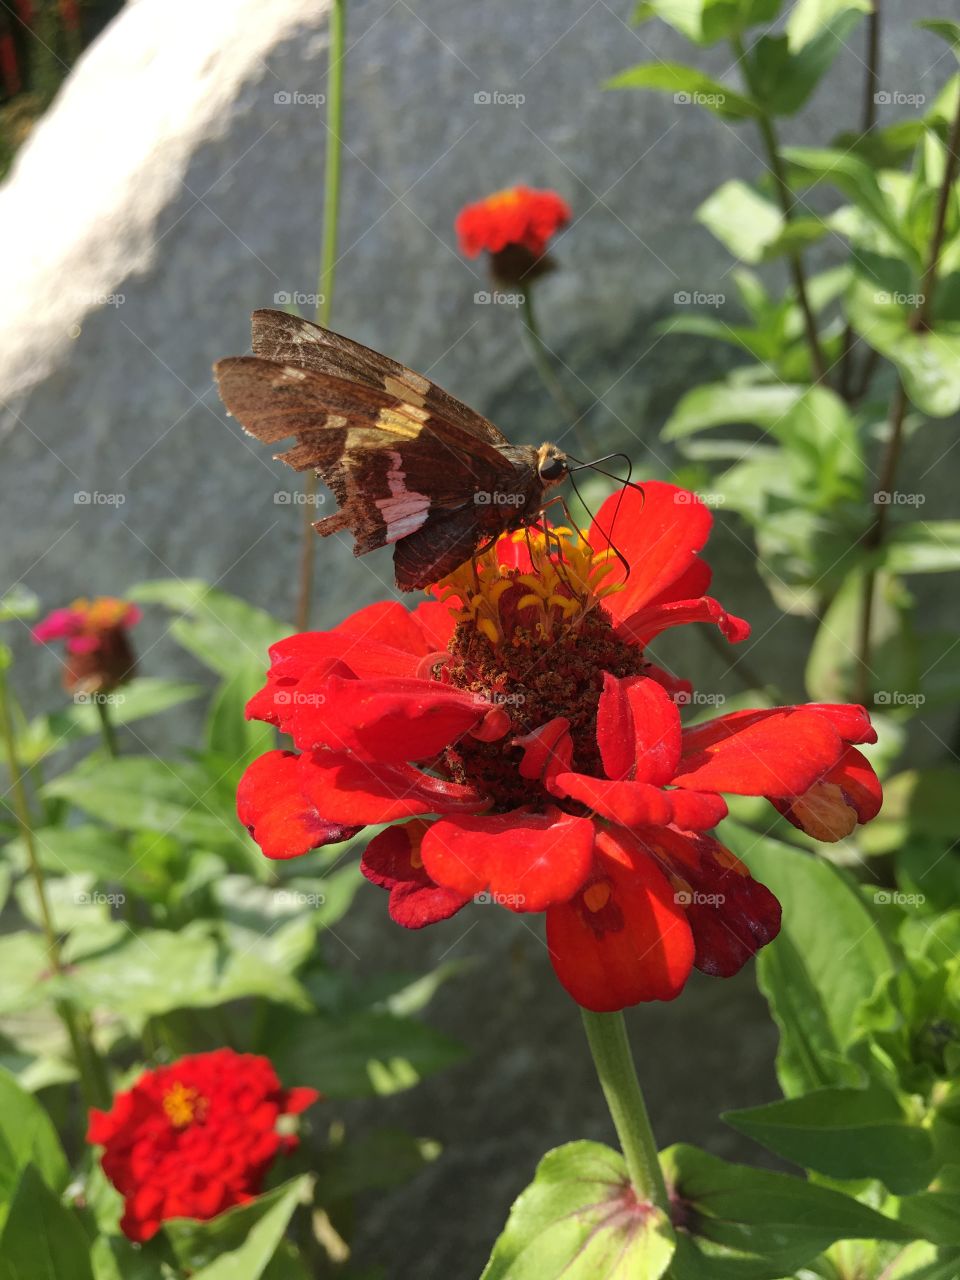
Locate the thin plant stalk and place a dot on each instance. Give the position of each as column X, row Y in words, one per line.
column 919, row 322
column 540, row 359
column 607, row 1036
column 107, row 731
column 94, row 1085
column 328, row 264
column 785, row 197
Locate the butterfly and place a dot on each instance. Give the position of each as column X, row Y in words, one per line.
column 409, row 464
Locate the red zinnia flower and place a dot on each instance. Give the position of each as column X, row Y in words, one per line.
column 99, row 657
column 194, row 1138
column 529, row 753
column 514, row 226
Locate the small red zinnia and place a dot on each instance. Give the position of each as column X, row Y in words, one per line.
column 514, row 226
column 194, row 1138
column 99, row 656
column 529, row 753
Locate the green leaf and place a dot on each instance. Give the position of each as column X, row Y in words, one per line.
column 949, row 31
column 719, row 404
column 855, row 178
column 689, row 87
column 707, row 21
column 783, row 73
column 814, row 999
column 742, row 220
column 27, row 1136
column 42, row 1239
column 846, row 1134
column 222, row 631
column 144, row 793
column 756, row 1225
column 932, row 546
column 230, row 735
column 238, row 1244
column 19, row 603
column 357, row 1055
column 916, row 804
column 809, row 18
column 115, row 1258
column 579, row 1219
column 25, row 966
column 933, row 1215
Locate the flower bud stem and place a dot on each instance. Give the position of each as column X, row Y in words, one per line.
column 107, row 731
column 94, row 1085
column 540, row 360
column 607, row 1036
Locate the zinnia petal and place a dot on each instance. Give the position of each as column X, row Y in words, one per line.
column 393, row 861
column 276, row 813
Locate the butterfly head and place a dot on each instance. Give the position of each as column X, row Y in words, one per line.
column 552, row 465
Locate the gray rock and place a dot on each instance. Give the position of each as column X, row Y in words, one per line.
column 175, row 185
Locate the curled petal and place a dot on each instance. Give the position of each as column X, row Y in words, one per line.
column 389, row 624
column 274, row 810
column 638, row 730
column 358, row 792
column 392, row 860
column 524, row 861
column 622, row 938
column 630, row 804
column 642, row 626
column 546, row 751
column 780, row 755
column 659, row 532
column 850, row 721
column 437, row 623
column 847, row 794
column 292, row 658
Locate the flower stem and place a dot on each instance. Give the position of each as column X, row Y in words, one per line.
column 92, row 1073
column 919, row 322
column 107, row 731
column 607, row 1036
column 328, row 265
column 540, row 359
column 785, row 196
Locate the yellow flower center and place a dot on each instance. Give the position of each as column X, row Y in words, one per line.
column 183, row 1104
column 566, row 581
column 101, row 614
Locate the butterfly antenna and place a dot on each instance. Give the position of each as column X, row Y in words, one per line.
column 610, row 543
column 595, row 466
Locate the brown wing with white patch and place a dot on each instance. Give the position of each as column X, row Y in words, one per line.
column 388, row 462
column 291, row 340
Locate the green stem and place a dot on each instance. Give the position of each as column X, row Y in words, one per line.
column 328, row 265
column 107, row 731
column 607, row 1036
column 785, row 196
column 540, row 359
column 93, row 1078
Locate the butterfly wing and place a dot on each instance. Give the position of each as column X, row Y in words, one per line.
column 389, row 462
column 290, row 340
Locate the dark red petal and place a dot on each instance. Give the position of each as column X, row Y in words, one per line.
column 691, row 585
column 697, row 810
column 525, row 861
column 298, row 1099
column 680, row 691
column 622, row 939
column 638, row 730
column 393, row 861
column 659, row 532
column 781, row 755
column 546, row 751
column 359, row 793
column 275, row 811
column 731, row 914
column 285, row 700
column 388, row 720
column 630, row 804
column 848, row 793
column 642, row 626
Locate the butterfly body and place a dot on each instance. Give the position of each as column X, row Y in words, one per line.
column 409, row 464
